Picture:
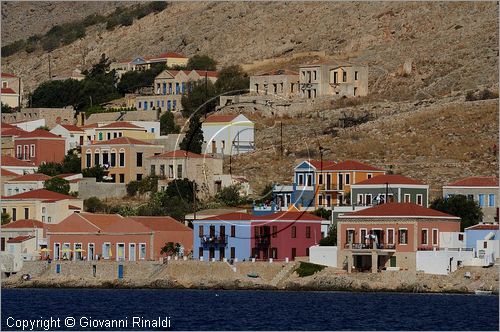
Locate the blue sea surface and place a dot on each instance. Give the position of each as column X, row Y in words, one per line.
column 252, row 310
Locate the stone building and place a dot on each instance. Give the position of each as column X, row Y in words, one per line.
column 278, row 82
column 168, row 59
column 333, row 79
column 52, row 116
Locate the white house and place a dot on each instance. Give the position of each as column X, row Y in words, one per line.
column 25, row 183
column 228, row 134
column 73, row 134
column 17, row 166
column 30, row 125
column 151, row 126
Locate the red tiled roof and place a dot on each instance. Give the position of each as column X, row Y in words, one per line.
column 71, row 127
column 476, row 181
column 39, row 194
column 209, row 73
column 121, row 124
column 221, row 118
column 325, row 164
column 8, row 91
column 114, row 223
column 390, row 179
column 122, row 141
column 231, row 216
column 12, row 131
column 288, row 216
column 38, row 133
column 72, row 207
column 398, row 210
column 161, row 223
column 5, row 125
column 65, row 175
column 6, row 172
column 11, row 161
column 8, row 75
column 492, row 227
column 352, row 165
column 179, row 154
column 24, row 223
column 90, row 125
column 19, row 239
column 32, row 177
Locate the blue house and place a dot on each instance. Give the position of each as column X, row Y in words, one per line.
column 224, row 236
column 480, row 232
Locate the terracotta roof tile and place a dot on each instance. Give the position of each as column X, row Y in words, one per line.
column 390, row 179
column 478, row 227
column 122, row 141
column 288, row 216
column 90, row 125
column 12, row 131
column 476, row 181
column 121, row 124
column 32, row 177
column 231, row 216
column 19, row 239
column 209, row 73
column 161, row 223
column 8, row 75
column 11, row 161
column 6, row 172
column 221, row 118
column 398, row 210
column 39, row 194
column 38, row 133
column 179, row 154
column 24, row 223
column 352, row 165
column 5, row 125
column 71, row 127
column 8, row 91
column 325, row 164
column 166, row 55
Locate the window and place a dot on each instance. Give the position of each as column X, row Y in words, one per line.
column 14, row 214
column 170, row 171
column 212, row 231
column 275, row 231
column 121, row 159
column 200, row 230
column 362, row 235
column 122, row 178
column 369, row 175
column 320, row 179
column 139, row 159
column 142, row 251
column 222, row 231
column 403, row 236
column 344, row 76
column 89, row 162
column 153, row 170
column 481, row 200
column 294, row 253
column 113, row 159
column 460, row 237
column 348, row 178
column 233, row 231
column 26, row 213
column 138, row 177
column 49, row 219
column 320, row 200
column 355, row 75
column 96, row 158
column 368, row 199
column 32, row 150
column 350, row 236
column 434, row 237
column 420, row 199
column 491, row 200
column 485, row 245
column 309, row 180
column 308, row 232
column 470, row 197
column 108, row 136
column 294, row 232
column 19, row 151
column 328, row 200
column 407, row 198
column 300, row 179
column 360, row 199
column 200, row 252
column 424, row 235
column 233, row 252
column 179, row 171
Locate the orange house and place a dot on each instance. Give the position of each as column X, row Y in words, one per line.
column 39, row 146
column 389, row 235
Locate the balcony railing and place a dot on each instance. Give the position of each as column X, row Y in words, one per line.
column 263, row 241
column 216, row 240
column 383, row 246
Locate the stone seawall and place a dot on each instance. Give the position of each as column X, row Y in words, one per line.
column 220, row 275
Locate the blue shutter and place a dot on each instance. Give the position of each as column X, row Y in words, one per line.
column 169, row 105
column 164, row 88
column 481, row 199
column 175, row 104
column 491, row 200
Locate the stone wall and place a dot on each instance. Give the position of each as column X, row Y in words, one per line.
column 88, row 187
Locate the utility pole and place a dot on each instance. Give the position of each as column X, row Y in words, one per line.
column 281, row 137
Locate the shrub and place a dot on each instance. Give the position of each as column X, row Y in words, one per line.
column 126, row 19
column 93, row 204
column 5, row 218
column 132, row 188
column 229, row 196
column 13, row 48
column 57, row 185
column 308, row 269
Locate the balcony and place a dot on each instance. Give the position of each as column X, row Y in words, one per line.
column 369, row 246
column 214, row 240
column 264, row 241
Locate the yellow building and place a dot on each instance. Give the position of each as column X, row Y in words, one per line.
column 11, row 90
column 121, row 129
column 124, row 158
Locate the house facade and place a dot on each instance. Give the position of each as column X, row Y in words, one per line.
column 23, row 227
column 180, row 164
column 41, row 204
column 73, row 135
column 279, row 82
column 168, row 59
column 388, row 236
column 228, row 134
column 121, row 129
column 333, row 79
column 8, row 134
column 123, row 158
column 24, row 183
column 39, row 146
column 482, row 189
column 169, row 87
column 11, row 90
column 398, row 188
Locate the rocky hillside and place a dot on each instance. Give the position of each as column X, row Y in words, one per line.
column 22, row 19
column 446, row 46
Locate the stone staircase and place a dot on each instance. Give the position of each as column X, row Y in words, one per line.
column 283, row 274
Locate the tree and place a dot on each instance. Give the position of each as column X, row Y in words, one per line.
column 193, row 140
column 229, row 196
column 161, row 204
column 50, row 168
column 168, row 125
column 57, row 185
column 267, row 193
column 200, row 99
column 93, row 204
column 97, row 172
column 132, row 80
column 182, row 188
column 201, row 62
column 44, row 128
column 132, row 188
column 71, row 163
column 232, row 80
column 57, row 94
column 5, row 218
column 323, row 213
column 148, row 184
column 6, row 108
column 171, row 249
column 331, row 239
column 469, row 211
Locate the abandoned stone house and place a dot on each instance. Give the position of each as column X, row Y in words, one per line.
column 282, row 82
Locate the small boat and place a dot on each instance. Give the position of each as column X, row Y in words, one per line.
column 483, row 292
column 252, row 275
